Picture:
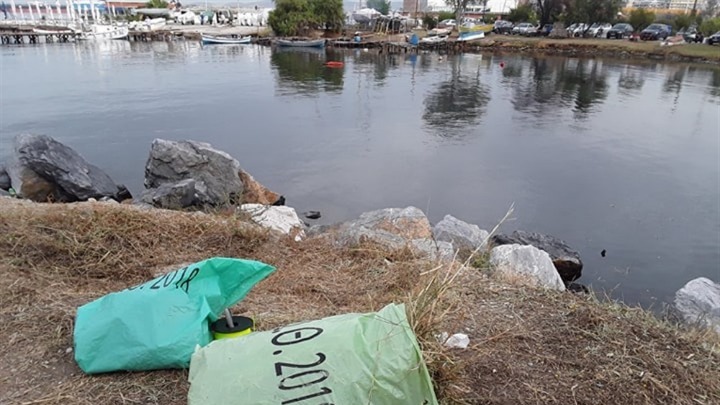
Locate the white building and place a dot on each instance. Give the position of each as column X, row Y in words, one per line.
column 493, row 6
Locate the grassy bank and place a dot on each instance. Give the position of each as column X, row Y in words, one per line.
column 527, row 346
column 600, row 47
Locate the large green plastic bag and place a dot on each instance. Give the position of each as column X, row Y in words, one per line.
column 348, row 359
column 158, row 324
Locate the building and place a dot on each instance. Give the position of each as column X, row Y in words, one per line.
column 673, row 5
column 492, row 6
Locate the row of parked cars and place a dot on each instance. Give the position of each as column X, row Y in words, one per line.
column 653, row 32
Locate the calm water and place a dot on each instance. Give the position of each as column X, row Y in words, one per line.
column 604, row 154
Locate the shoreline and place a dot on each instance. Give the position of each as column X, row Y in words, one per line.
column 61, row 256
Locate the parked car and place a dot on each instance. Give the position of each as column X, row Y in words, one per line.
column 545, row 30
column 524, row 29
column 714, row 38
column 580, row 30
column 502, row 27
column 655, row 31
column 447, row 24
column 620, row 31
column 598, row 30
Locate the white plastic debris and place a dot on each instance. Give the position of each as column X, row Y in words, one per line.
column 280, row 218
column 458, row 341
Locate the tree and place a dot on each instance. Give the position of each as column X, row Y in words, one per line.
column 329, row 12
column 299, row 17
column 381, row 6
column 641, row 18
column 591, row 11
column 522, row 13
column 549, row 10
column 156, row 4
column 292, row 17
column 458, row 7
column 710, row 26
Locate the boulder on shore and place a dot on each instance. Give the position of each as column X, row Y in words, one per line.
column 173, row 196
column 460, row 233
column 395, row 228
column 526, row 261
column 698, row 303
column 43, row 169
column 4, row 178
column 278, row 218
column 218, row 178
column 566, row 260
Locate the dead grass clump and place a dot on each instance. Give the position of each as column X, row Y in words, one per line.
column 527, row 346
column 109, row 242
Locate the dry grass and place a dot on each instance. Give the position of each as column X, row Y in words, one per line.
column 527, row 346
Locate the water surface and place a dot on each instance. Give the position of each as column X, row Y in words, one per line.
column 604, row 154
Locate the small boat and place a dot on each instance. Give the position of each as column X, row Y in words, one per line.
column 99, row 32
column 313, row 43
column 209, row 39
column 470, row 36
column 434, row 39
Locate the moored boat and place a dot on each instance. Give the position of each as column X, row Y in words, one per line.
column 210, row 39
column 99, row 32
column 470, row 36
column 313, row 43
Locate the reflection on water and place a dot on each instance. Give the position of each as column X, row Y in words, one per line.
column 302, row 72
column 456, row 103
column 641, row 182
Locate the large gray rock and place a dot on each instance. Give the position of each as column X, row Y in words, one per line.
column 219, row 180
column 566, row 260
column 216, row 174
column 526, row 261
column 172, row 196
column 4, row 178
column 395, row 228
column 461, row 234
column 44, row 169
column 698, row 303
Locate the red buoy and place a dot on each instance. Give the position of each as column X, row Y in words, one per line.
column 334, row 64
column 502, row 64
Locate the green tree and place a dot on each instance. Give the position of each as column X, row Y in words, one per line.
column 292, row 18
column 429, row 21
column 640, row 18
column 682, row 21
column 156, row 4
column 382, row 6
column 591, row 11
column 548, row 10
column 522, row 13
column 445, row 15
column 329, row 13
column 710, row 26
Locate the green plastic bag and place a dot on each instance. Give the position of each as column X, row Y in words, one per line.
column 348, row 359
column 158, row 324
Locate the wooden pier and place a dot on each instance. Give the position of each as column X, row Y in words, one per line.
column 31, row 37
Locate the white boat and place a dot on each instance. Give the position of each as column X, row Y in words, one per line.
column 99, row 32
column 470, row 36
column 434, row 39
column 365, row 15
column 313, row 43
column 209, row 39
